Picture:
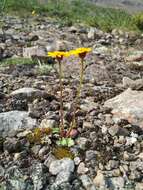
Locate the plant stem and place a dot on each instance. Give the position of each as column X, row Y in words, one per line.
column 81, row 79
column 61, row 100
column 73, row 125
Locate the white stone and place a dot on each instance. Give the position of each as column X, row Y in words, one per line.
column 128, row 105
column 65, row 164
column 13, row 121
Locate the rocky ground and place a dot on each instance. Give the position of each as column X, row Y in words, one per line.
column 130, row 5
column 108, row 150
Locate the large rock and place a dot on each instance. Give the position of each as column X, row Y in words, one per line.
column 87, row 182
column 28, row 52
column 135, row 59
column 16, row 179
column 39, row 176
column 65, row 164
column 128, row 105
column 29, row 93
column 13, row 121
column 133, row 84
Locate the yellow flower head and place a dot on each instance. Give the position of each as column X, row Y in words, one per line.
column 59, row 55
column 81, row 52
column 33, row 12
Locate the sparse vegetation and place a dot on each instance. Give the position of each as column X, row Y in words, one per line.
column 16, row 61
column 69, row 12
column 138, row 20
column 44, row 69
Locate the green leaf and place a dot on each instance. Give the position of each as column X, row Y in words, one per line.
column 55, row 130
column 58, row 142
column 64, row 142
column 70, row 142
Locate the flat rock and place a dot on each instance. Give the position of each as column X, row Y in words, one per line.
column 128, row 105
column 65, row 164
column 28, row 52
column 29, row 93
column 135, row 59
column 133, row 84
column 13, row 121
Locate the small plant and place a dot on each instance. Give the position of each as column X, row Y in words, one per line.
column 37, row 135
column 59, row 57
column 33, row 13
column 17, row 61
column 81, row 53
column 138, row 20
column 44, row 69
column 60, row 152
column 65, row 135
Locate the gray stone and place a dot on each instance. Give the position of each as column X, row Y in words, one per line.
column 82, row 142
column 43, row 151
column 16, row 179
column 77, row 160
column 112, row 164
column 12, row 145
column 65, row 164
column 48, row 123
column 116, row 183
column 38, row 176
column 62, row 186
column 91, row 34
column 35, row 149
column 100, row 180
column 128, row 105
column 88, row 105
column 28, row 52
column 29, row 93
column 100, row 50
column 73, row 29
column 14, row 121
column 117, row 130
column 62, row 177
column 139, row 186
column 87, row 182
column 137, row 165
column 90, row 155
column 82, row 169
column 133, row 84
column 135, row 175
column 135, row 59
column 87, row 125
column 49, row 160
column 2, row 171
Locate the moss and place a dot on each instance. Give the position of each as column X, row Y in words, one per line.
column 17, row 61
column 38, row 134
column 138, row 20
column 61, row 152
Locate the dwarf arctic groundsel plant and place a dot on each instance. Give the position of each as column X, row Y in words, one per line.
column 59, row 55
column 81, row 53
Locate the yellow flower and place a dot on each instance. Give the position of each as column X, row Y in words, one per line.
column 59, row 55
column 81, row 52
column 33, row 12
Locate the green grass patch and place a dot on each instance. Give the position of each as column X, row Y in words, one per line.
column 75, row 11
column 16, row 61
column 44, row 69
